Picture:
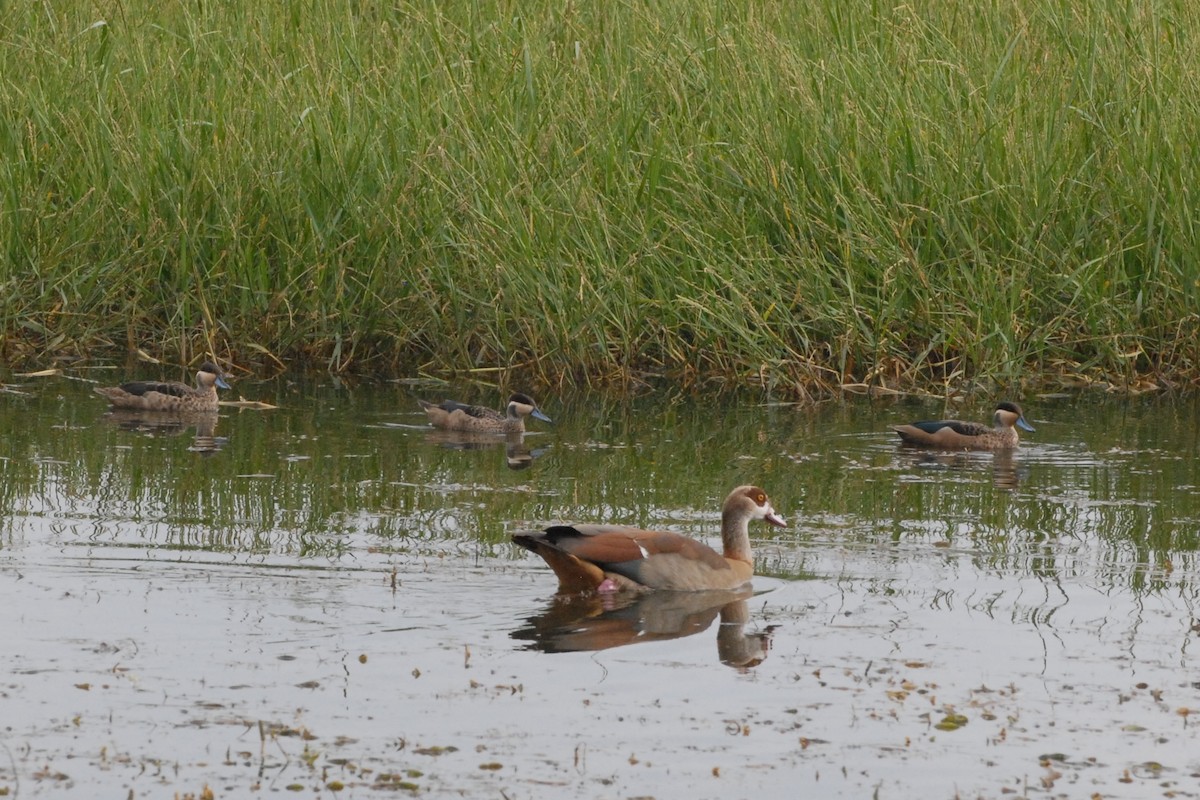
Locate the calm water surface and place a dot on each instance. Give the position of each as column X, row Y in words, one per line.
column 322, row 599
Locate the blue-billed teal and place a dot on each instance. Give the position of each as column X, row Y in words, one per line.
column 451, row 415
column 609, row 558
column 951, row 434
column 152, row 396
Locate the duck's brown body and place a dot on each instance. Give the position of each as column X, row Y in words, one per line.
column 157, row 396
column 952, row 434
column 451, row 415
column 593, row 557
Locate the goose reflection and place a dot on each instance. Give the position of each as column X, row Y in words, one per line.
column 172, row 423
column 1007, row 472
column 585, row 622
column 517, row 454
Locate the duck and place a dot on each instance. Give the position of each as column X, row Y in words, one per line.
column 451, row 415
column 153, row 396
column 951, row 434
column 614, row 558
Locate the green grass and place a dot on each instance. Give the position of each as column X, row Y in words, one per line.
column 799, row 194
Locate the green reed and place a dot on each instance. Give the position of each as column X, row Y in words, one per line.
column 799, row 194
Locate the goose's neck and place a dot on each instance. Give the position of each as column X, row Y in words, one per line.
column 735, row 535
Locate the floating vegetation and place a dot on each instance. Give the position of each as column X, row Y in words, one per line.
column 436, row 750
column 951, row 722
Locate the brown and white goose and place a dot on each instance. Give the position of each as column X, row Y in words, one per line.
column 597, row 557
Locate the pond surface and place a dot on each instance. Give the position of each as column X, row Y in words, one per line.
column 321, row 600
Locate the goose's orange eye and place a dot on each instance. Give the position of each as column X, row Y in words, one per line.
column 760, row 498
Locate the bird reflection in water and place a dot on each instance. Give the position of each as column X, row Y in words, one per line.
column 1007, row 472
column 517, row 454
column 594, row 621
column 172, row 423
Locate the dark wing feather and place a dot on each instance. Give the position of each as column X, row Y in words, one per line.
column 143, row 388
column 600, row 544
column 450, row 406
column 619, row 549
column 962, row 428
